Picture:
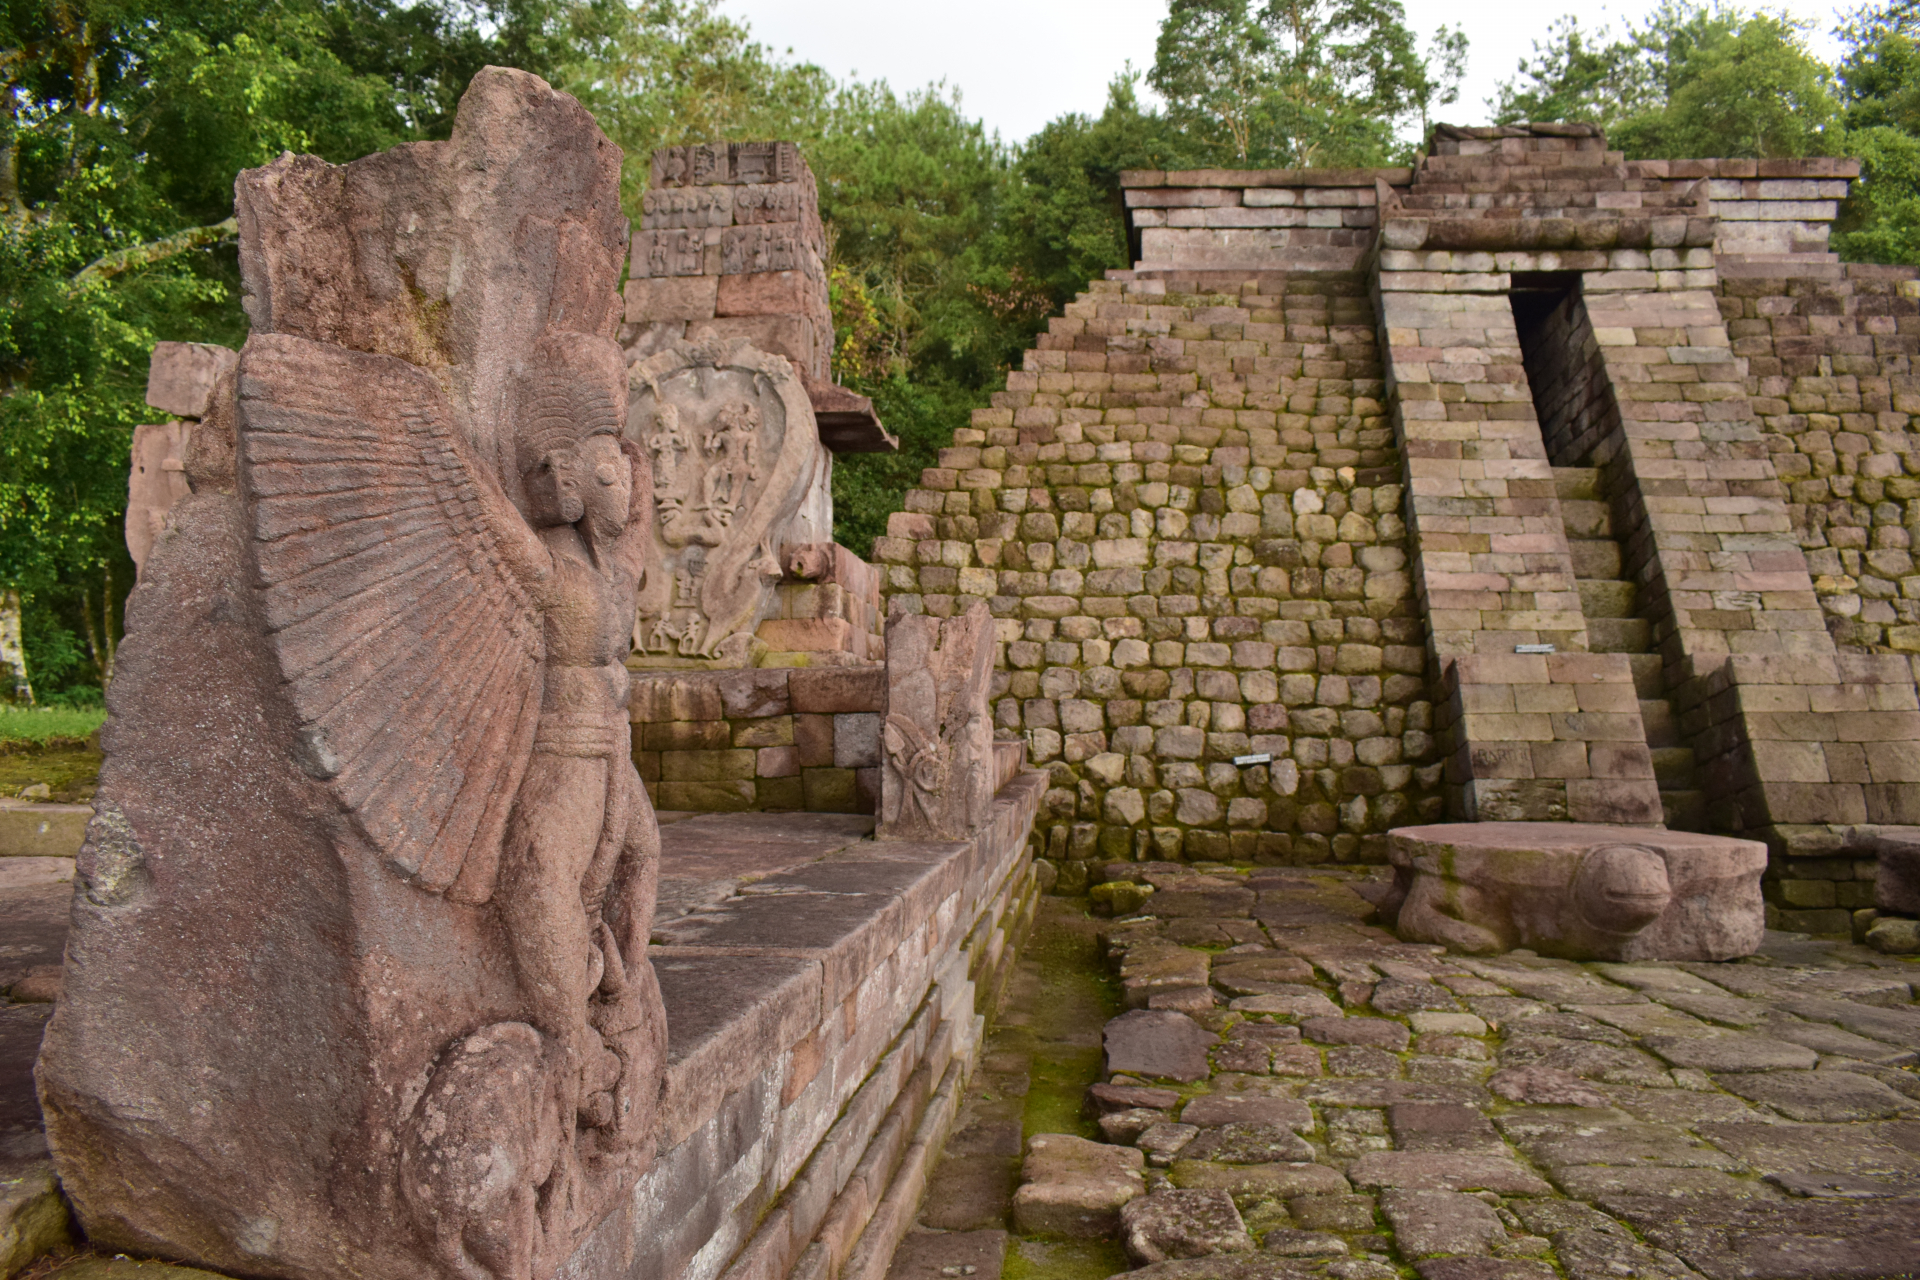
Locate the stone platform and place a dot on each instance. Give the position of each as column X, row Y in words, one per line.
column 824, row 999
column 1303, row 1095
column 1583, row 891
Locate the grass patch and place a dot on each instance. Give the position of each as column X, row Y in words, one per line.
column 50, row 746
column 39, row 724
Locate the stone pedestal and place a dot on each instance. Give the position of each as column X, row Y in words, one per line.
column 1578, row 890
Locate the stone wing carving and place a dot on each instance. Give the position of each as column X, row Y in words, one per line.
column 411, row 655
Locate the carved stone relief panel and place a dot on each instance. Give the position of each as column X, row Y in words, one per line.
column 157, row 481
column 764, row 246
column 670, row 252
column 936, row 782
column 736, row 456
column 702, row 207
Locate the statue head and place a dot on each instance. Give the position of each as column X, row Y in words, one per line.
column 573, row 403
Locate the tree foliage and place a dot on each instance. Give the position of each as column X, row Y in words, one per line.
column 1690, row 81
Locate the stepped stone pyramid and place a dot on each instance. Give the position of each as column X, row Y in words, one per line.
column 1525, row 484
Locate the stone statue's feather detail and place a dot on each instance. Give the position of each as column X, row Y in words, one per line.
column 373, row 530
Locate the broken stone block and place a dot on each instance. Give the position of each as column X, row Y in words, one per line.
column 1246, row 1142
column 1289, row 1242
column 1438, row 1222
column 1545, row 1086
column 1578, row 890
column 1894, row 936
column 1164, row 1140
column 1158, row 1044
column 1075, row 1188
column 181, row 376
column 33, row 1215
column 1210, row 1109
column 1896, row 883
column 1125, row 1127
column 1817, row 1095
column 1105, row 1099
column 1182, row 1224
column 156, row 481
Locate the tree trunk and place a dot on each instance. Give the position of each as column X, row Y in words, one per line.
column 13, row 652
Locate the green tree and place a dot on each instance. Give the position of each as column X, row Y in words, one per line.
column 1298, row 82
column 1879, row 78
column 1690, row 81
column 124, row 127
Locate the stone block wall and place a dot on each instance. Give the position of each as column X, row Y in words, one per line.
column 1185, row 516
column 826, row 1024
column 1567, row 377
column 1209, row 219
column 1829, row 352
column 730, row 246
column 760, row 738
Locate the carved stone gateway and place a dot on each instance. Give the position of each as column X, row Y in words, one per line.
column 937, row 771
column 738, row 472
column 357, row 982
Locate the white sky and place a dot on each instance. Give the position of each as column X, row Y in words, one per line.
column 1020, row 63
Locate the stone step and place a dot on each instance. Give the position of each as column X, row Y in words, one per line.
column 1649, row 674
column 1619, row 635
column 1576, row 482
column 1684, row 810
column 1673, row 768
column 1656, row 720
column 1586, row 518
column 1606, row 597
column 1595, row 557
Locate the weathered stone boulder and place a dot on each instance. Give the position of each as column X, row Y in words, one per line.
column 1896, row 852
column 1578, row 890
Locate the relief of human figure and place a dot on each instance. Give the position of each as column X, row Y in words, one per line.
column 489, row 760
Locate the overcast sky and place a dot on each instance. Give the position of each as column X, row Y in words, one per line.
column 1020, row 63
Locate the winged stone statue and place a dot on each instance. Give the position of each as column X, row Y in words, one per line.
column 456, row 664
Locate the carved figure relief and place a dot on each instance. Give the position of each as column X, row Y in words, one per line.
column 720, row 162
column 671, row 252
column 762, row 247
column 937, row 743
column 729, row 432
column 705, row 207
column 548, row 825
column 367, row 812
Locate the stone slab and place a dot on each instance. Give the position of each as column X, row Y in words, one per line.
column 1158, row 1044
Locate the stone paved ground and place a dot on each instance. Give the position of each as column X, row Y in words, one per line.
column 1296, row 1093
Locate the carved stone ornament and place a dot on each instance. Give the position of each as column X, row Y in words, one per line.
column 357, row 983
column 729, row 432
column 937, row 778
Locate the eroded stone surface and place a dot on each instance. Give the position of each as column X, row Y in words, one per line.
column 1073, row 1187
column 1781, row 1082
column 1182, row 1224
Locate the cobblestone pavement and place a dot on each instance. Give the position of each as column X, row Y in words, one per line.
column 1294, row 1092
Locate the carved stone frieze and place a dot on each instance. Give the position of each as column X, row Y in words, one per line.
column 737, row 467
column 701, row 207
column 732, row 163
column 674, row 251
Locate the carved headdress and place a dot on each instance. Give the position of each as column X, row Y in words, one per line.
column 575, row 387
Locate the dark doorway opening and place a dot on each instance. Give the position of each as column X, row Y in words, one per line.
column 1571, row 394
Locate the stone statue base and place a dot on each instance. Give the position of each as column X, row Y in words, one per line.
column 1581, row 891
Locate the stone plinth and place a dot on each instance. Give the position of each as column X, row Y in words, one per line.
column 1578, row 890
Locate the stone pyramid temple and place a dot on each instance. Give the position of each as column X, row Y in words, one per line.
column 1654, row 564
